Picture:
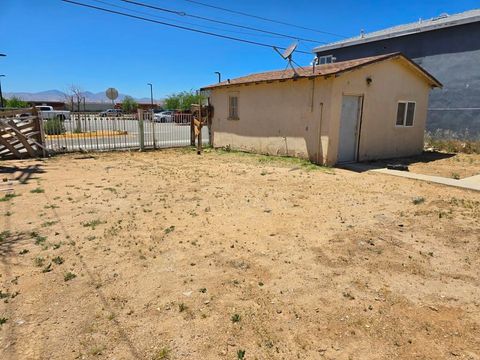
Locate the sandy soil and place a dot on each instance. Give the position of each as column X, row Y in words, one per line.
column 457, row 166
column 170, row 255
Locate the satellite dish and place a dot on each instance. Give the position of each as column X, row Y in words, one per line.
column 111, row 93
column 287, row 55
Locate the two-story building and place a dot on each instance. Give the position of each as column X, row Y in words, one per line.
column 447, row 46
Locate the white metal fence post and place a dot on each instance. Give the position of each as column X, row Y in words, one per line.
column 141, row 131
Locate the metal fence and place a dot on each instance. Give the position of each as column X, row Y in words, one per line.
column 91, row 132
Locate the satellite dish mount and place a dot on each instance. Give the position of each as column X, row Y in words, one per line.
column 287, row 55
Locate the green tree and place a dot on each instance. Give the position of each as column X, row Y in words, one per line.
column 182, row 101
column 129, row 104
column 15, row 102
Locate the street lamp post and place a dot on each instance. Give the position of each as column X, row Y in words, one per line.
column 1, row 95
column 151, row 93
column 219, row 76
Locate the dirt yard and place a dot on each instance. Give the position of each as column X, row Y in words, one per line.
column 170, row 255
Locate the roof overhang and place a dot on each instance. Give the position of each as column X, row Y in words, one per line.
column 433, row 82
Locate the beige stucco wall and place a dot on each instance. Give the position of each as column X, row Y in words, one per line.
column 278, row 118
column 380, row 138
column 301, row 118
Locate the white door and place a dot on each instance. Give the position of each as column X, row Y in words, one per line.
column 349, row 121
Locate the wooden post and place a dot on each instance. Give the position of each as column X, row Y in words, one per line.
column 209, row 123
column 192, row 131
column 199, row 139
column 41, row 130
column 141, row 132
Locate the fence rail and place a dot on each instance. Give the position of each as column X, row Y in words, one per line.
column 94, row 133
column 29, row 135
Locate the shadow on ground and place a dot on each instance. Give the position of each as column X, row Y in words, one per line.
column 425, row 157
column 22, row 174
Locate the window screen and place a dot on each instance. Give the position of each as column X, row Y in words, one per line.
column 401, row 113
column 410, row 114
column 233, row 107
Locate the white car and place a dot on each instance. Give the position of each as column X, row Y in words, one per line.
column 46, row 112
column 163, row 117
column 111, row 113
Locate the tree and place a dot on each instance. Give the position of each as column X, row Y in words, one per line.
column 77, row 95
column 129, row 104
column 15, row 102
column 183, row 100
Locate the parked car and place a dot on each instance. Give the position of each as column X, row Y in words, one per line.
column 23, row 115
column 111, row 113
column 163, row 117
column 182, row 118
column 46, row 112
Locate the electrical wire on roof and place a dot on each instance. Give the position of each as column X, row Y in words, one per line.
column 182, row 13
column 178, row 26
column 182, row 22
column 265, row 19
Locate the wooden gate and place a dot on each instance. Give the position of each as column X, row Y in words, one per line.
column 21, row 135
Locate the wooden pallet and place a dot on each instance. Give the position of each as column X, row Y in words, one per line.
column 21, row 138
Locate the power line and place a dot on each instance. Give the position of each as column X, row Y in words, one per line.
column 181, row 22
column 178, row 26
column 182, row 13
column 264, row 18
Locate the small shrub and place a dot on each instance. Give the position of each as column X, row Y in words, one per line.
column 8, row 197
column 455, row 176
column 236, row 318
column 4, row 235
column 3, row 321
column 162, row 354
column 54, row 127
column 241, row 354
column 47, row 268
column 69, row 276
column 93, row 223
column 39, row 239
column 182, row 307
column 58, row 260
column 169, row 229
column 37, row 191
column 39, row 261
column 418, row 200
column 49, row 223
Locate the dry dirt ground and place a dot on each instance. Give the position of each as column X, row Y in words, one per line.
column 170, row 255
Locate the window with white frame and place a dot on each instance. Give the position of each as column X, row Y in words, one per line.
column 405, row 113
column 233, row 107
column 327, row 59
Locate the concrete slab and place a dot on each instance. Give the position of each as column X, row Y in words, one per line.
column 472, row 183
column 473, row 179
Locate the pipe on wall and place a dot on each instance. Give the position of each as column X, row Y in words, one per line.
column 319, row 150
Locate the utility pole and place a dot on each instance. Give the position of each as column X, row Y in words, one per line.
column 219, row 76
column 151, row 94
column 1, row 95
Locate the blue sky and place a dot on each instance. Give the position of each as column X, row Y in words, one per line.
column 51, row 44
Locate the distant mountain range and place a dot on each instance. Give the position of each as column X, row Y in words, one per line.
column 57, row 95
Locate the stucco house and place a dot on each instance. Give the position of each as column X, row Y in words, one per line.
column 356, row 110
